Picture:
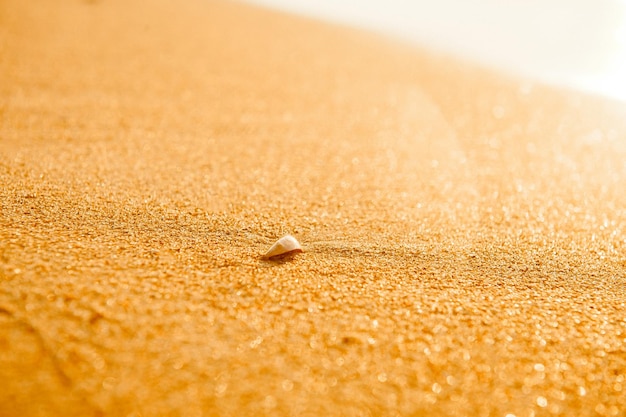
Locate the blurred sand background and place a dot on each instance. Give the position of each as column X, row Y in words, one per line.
column 463, row 230
column 579, row 44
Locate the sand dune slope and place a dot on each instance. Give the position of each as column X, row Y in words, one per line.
column 463, row 231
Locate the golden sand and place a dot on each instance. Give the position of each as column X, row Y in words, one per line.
column 463, row 231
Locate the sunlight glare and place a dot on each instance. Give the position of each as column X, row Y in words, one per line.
column 579, row 44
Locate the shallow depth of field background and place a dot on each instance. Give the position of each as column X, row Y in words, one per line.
column 575, row 43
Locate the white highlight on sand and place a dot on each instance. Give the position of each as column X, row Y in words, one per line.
column 575, row 43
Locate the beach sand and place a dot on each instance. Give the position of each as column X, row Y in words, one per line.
column 463, row 231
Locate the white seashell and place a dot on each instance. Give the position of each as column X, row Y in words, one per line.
column 286, row 245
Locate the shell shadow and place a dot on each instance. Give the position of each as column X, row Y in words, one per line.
column 279, row 260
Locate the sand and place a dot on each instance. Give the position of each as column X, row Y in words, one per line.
column 463, row 230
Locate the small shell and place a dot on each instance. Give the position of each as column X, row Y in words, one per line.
column 286, row 245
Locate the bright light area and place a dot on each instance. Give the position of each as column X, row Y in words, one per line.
column 577, row 43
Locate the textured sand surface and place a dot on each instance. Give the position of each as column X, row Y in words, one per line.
column 464, row 233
